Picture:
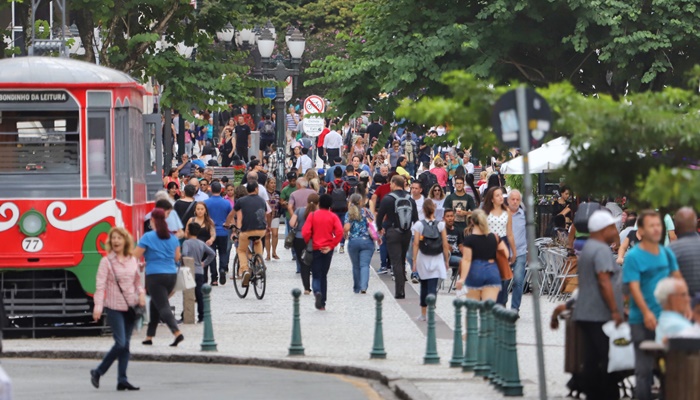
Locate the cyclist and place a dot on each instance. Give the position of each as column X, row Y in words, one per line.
column 251, row 221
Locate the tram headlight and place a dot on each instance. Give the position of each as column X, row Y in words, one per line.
column 32, row 223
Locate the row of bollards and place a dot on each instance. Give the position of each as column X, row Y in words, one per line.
column 489, row 349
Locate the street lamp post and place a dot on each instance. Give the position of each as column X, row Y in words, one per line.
column 278, row 71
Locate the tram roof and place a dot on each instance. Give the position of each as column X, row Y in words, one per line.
column 55, row 70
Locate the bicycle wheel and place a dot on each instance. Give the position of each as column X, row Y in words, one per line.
column 241, row 291
column 259, row 280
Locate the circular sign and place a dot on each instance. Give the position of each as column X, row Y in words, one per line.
column 314, row 105
column 313, row 126
column 505, row 121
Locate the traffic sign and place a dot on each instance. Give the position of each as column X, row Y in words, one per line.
column 288, row 89
column 270, row 92
column 504, row 118
column 314, row 105
column 313, row 126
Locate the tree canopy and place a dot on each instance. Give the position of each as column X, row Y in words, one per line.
column 402, row 47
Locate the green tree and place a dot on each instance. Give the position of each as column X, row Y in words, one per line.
column 402, row 47
column 643, row 146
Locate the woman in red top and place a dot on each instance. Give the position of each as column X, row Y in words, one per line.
column 324, row 228
column 440, row 172
column 118, row 288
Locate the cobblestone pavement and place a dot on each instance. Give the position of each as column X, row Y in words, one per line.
column 343, row 334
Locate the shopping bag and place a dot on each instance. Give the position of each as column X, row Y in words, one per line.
column 185, row 280
column 621, row 353
column 145, row 318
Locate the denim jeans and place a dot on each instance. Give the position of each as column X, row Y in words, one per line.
column 518, row 280
column 341, row 216
column 220, row 245
column 121, row 327
column 411, row 168
column 361, row 252
column 427, row 286
column 319, row 269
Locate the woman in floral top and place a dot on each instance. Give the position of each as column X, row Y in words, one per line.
column 272, row 234
column 360, row 243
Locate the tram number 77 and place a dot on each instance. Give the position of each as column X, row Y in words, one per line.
column 32, row 244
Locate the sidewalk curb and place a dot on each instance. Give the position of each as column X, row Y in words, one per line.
column 402, row 388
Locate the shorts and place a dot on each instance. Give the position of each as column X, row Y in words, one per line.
column 483, row 274
column 265, row 143
column 275, row 223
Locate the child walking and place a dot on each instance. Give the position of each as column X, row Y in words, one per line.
column 197, row 249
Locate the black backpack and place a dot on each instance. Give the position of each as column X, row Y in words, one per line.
column 431, row 239
column 583, row 213
column 353, row 182
column 340, row 201
column 427, row 180
column 267, row 129
column 404, row 211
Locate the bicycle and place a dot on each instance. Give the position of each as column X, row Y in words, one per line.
column 256, row 267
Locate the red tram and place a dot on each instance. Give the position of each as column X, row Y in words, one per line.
column 76, row 158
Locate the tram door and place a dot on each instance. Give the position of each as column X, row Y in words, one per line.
column 153, row 135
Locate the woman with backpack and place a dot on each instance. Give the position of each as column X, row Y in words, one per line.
column 431, row 254
column 360, row 231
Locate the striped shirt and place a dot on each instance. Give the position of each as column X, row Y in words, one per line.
column 107, row 293
column 687, row 251
column 291, row 123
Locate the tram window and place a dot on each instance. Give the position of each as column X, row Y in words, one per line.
column 99, row 162
column 43, row 142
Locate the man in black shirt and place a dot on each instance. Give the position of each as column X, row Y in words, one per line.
column 251, row 220
column 242, row 139
column 374, row 129
column 397, row 240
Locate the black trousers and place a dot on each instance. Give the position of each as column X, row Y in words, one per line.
column 242, row 153
column 332, row 154
column 397, row 246
column 299, row 246
column 597, row 382
column 159, row 287
column 199, row 280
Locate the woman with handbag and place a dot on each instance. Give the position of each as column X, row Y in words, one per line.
column 161, row 250
column 361, row 233
column 118, row 291
column 500, row 222
column 297, row 223
column 478, row 269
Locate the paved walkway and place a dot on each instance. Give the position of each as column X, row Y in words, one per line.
column 342, row 335
column 68, row 379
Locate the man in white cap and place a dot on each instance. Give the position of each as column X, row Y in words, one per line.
column 599, row 301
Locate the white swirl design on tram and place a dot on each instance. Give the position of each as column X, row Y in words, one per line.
column 97, row 214
column 12, row 207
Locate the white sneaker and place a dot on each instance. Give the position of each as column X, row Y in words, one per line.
column 421, row 318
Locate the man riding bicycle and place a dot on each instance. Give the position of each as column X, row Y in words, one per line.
column 251, row 221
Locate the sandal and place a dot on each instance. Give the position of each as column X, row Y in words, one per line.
column 214, row 283
column 275, row 256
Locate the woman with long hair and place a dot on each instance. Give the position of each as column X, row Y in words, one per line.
column 431, row 254
column 440, row 172
column 207, row 235
column 478, row 269
column 161, row 250
column 360, row 243
column 297, row 222
column 437, row 195
column 500, row 222
column 173, row 192
column 117, row 289
column 471, row 189
column 272, row 236
column 226, row 146
column 296, row 154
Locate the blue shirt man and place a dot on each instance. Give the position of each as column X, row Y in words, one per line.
column 647, row 269
column 219, row 208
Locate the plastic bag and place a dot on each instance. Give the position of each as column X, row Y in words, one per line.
column 621, row 353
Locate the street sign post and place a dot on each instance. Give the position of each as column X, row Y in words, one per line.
column 523, row 117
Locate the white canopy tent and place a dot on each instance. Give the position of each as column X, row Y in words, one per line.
column 552, row 155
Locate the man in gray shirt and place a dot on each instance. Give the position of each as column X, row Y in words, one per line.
column 599, row 301
column 687, row 248
column 520, row 235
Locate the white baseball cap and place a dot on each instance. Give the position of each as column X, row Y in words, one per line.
column 600, row 220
